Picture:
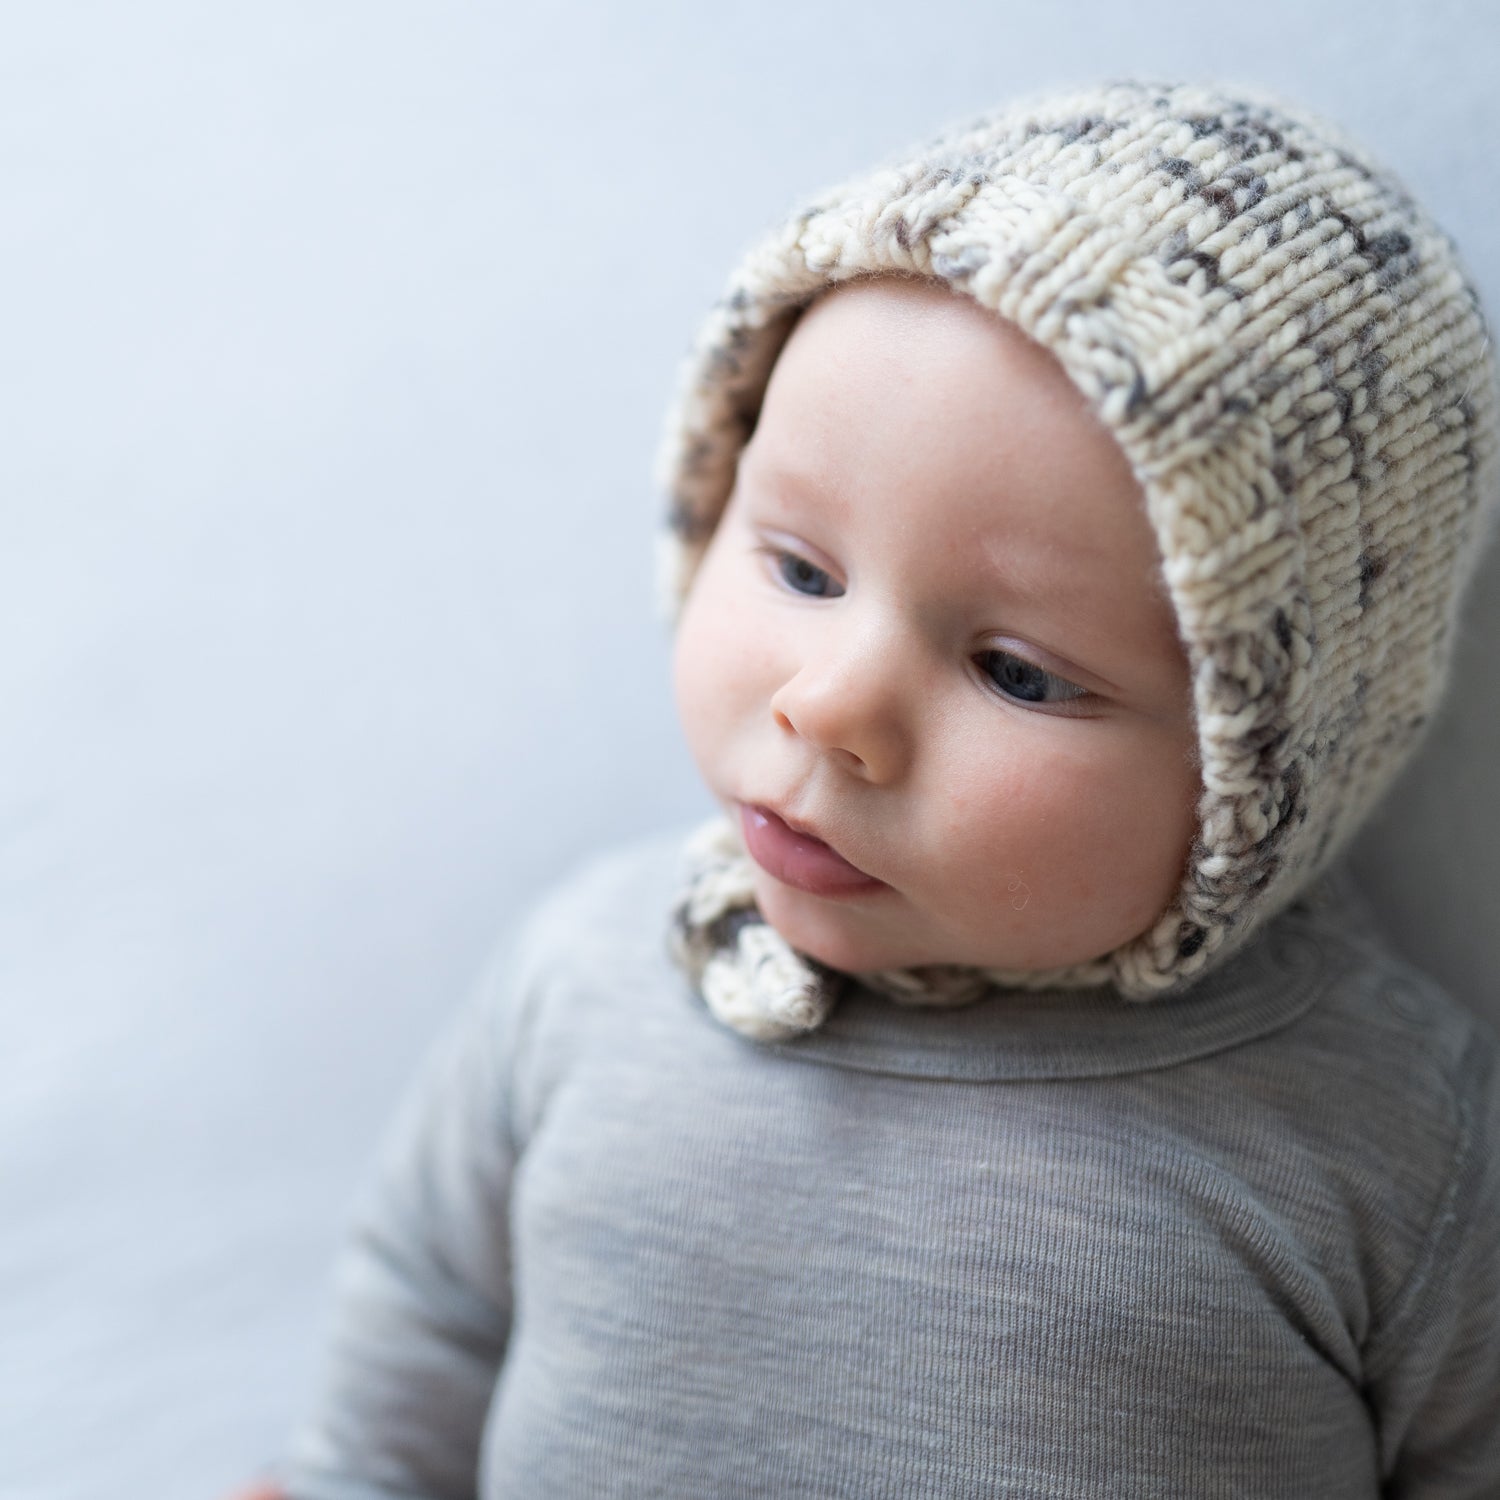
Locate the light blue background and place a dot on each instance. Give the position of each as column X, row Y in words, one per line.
column 334, row 345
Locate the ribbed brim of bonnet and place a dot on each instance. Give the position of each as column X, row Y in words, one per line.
column 1290, row 357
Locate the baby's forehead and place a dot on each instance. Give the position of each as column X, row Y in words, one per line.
column 899, row 382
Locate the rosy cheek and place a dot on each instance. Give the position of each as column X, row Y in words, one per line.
column 711, row 673
column 1041, row 823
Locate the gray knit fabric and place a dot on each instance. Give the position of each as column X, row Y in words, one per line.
column 1244, row 1242
column 1288, row 353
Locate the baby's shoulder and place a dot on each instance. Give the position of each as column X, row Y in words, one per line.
column 1395, row 1024
column 1384, row 1070
column 1399, row 1089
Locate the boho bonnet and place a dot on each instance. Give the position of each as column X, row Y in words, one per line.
column 1289, row 355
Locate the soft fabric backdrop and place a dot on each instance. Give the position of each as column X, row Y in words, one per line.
column 336, row 339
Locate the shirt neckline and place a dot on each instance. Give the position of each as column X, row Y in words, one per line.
column 1016, row 1035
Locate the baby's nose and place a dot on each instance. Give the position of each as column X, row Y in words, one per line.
column 853, row 710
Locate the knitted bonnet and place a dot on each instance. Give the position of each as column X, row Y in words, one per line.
column 1289, row 355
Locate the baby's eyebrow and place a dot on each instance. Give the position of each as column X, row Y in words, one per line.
column 1040, row 576
column 782, row 477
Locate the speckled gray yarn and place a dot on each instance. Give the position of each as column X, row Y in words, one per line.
column 1289, row 355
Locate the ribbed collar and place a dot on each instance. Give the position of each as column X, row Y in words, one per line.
column 1060, row 1034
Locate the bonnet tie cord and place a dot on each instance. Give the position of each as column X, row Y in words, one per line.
column 749, row 976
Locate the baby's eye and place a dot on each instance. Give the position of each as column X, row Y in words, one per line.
column 801, row 576
column 1024, row 681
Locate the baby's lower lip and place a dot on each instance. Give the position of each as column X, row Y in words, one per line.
column 798, row 859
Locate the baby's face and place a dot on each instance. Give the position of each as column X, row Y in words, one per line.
column 927, row 664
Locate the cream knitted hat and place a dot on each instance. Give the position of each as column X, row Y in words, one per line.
column 1289, row 355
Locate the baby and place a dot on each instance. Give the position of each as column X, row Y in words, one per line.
column 1001, row 1099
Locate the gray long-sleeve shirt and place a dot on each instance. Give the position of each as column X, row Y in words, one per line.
column 1242, row 1243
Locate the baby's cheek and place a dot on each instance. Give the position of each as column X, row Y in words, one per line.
column 702, row 628
column 720, row 680
column 1007, row 843
column 694, row 688
column 1062, row 851
column 1135, row 825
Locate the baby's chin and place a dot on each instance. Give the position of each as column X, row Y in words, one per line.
column 867, row 935
column 844, row 934
column 860, row 935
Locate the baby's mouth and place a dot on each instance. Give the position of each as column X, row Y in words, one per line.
column 800, row 860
